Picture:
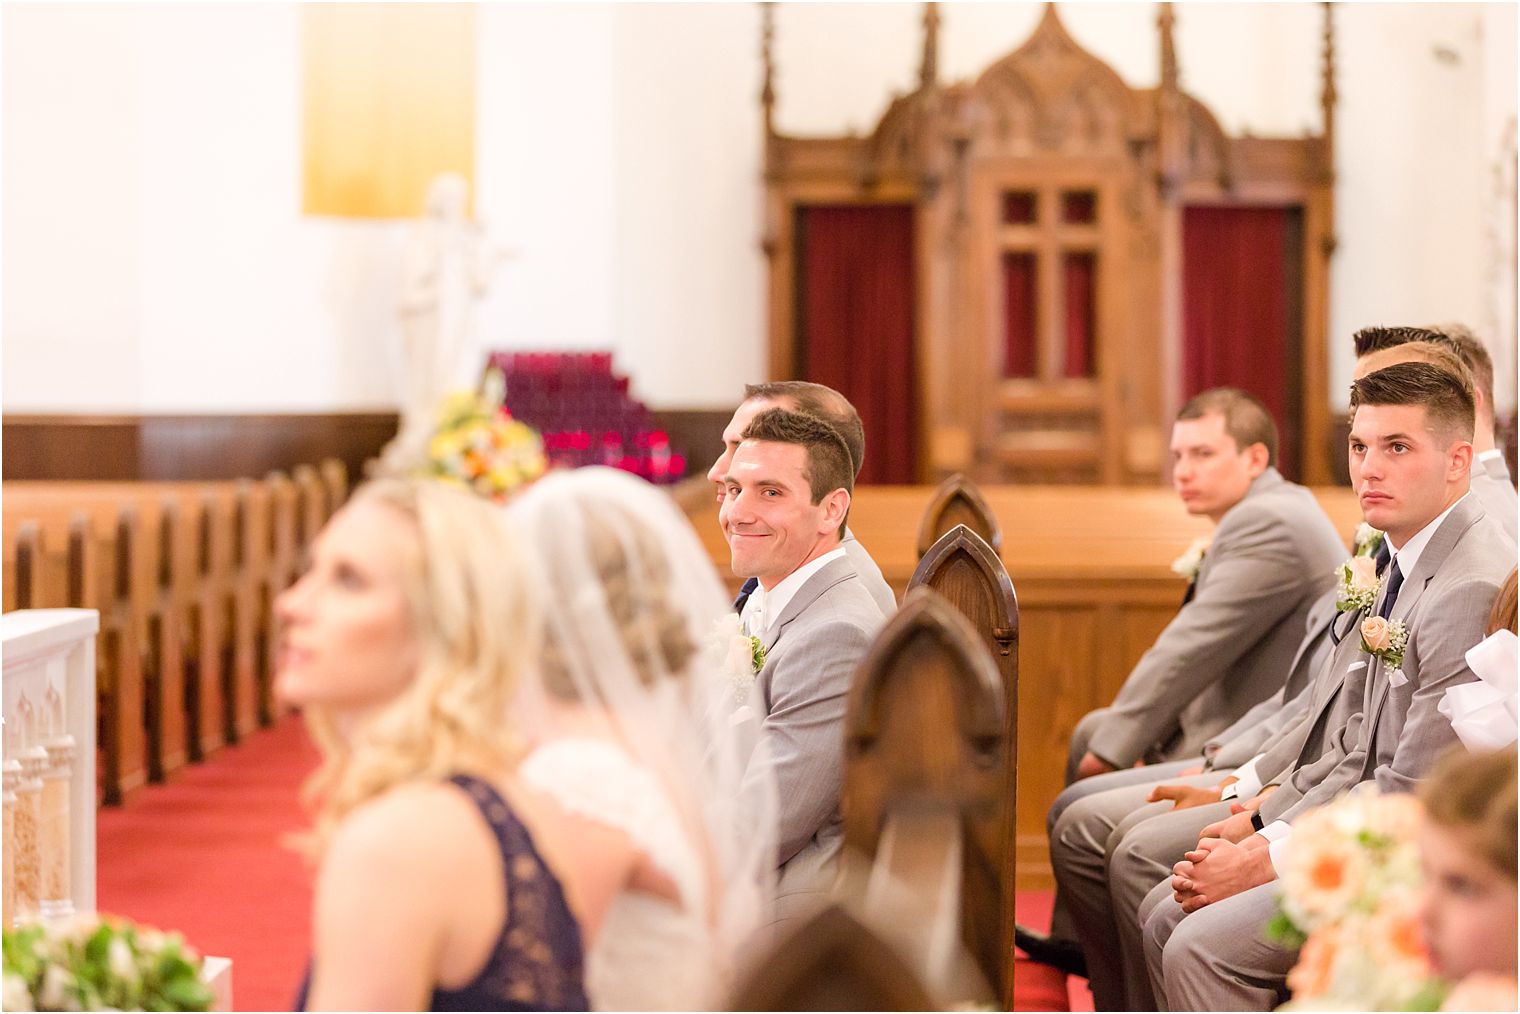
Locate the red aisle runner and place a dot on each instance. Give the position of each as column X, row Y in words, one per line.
column 203, row 855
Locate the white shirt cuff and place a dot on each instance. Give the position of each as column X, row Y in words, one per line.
column 1247, row 779
column 1279, row 833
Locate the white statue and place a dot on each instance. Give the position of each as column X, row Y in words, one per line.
column 447, row 268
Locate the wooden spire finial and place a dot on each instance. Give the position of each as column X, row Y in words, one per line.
column 1327, row 82
column 928, row 71
column 1165, row 20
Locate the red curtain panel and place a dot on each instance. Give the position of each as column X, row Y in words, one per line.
column 1241, row 310
column 855, row 325
column 1020, row 315
column 1081, row 283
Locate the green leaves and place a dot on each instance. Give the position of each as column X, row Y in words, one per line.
column 92, row 964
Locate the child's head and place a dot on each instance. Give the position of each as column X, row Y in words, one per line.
column 1468, row 852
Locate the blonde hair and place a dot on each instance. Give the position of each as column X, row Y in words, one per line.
column 1476, row 793
column 476, row 625
column 635, row 580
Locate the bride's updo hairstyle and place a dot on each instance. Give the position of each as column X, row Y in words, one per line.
column 475, row 622
column 634, row 578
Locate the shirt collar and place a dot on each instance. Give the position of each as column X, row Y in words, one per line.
column 1408, row 555
column 775, row 601
column 1491, row 453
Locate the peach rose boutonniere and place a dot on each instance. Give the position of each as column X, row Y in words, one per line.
column 1386, row 641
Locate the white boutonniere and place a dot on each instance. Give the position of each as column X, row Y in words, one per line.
column 1386, row 641
column 743, row 655
column 1357, row 580
column 1191, row 561
column 1366, row 540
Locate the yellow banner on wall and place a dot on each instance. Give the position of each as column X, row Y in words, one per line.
column 388, row 103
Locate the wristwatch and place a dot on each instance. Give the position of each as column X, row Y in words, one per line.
column 1257, row 822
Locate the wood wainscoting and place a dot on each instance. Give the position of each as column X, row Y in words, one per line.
column 186, row 448
column 1091, row 567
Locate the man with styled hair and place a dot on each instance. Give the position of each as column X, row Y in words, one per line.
column 833, row 408
column 1410, row 454
column 1230, row 647
column 1377, row 347
column 786, row 499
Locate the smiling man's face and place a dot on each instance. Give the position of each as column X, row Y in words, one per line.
column 768, row 515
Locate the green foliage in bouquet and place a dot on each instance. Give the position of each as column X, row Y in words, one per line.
column 479, row 446
column 92, row 963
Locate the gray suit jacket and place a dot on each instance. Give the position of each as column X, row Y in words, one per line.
column 1492, row 485
column 1396, row 732
column 1263, row 724
column 1231, row 646
column 811, row 654
column 870, row 574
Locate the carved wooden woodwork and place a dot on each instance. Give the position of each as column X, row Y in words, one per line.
column 926, row 725
column 958, row 501
column 1051, row 176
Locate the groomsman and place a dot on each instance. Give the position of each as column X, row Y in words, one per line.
column 1411, row 455
column 833, row 408
column 786, row 498
column 1238, row 632
column 1377, row 347
column 1112, row 847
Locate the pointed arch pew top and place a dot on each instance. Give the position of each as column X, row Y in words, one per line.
column 958, row 501
column 926, row 729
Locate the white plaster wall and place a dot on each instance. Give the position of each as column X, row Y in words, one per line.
column 156, row 259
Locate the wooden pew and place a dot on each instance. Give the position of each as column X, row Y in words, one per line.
column 164, row 667
column 335, row 481
column 958, row 501
column 120, row 692
column 239, row 610
column 925, row 804
column 966, row 572
column 22, row 567
column 281, row 562
column 832, row 963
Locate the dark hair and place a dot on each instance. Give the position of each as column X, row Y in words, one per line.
column 827, row 466
column 1448, row 398
column 1375, row 339
column 1246, row 419
column 820, row 401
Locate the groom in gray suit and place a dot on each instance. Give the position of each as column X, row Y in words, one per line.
column 1411, row 453
column 786, row 498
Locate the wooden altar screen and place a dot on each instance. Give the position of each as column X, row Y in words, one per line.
column 1048, row 200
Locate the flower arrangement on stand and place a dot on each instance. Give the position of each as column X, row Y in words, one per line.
column 477, row 445
column 90, row 962
column 1350, row 901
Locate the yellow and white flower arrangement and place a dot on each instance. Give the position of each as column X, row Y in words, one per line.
column 479, row 446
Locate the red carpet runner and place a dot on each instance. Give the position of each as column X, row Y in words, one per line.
column 203, row 855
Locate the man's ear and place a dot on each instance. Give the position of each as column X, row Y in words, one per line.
column 835, row 506
column 1459, row 459
column 1257, row 459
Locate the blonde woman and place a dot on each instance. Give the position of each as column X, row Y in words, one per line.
column 445, row 883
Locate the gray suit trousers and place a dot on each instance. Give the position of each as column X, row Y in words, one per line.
column 1084, row 837
column 1218, row 958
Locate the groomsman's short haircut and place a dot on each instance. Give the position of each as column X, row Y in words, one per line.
column 1447, row 396
column 828, row 465
column 1246, row 419
column 1375, row 339
column 825, row 403
column 1442, row 356
column 1474, row 355
column 1459, row 338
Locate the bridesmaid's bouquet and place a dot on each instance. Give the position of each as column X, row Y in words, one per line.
column 1351, row 901
column 93, row 963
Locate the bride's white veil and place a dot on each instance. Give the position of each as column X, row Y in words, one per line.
column 637, row 623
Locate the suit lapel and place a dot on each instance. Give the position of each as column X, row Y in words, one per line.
column 815, row 586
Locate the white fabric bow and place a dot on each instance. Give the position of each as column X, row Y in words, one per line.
column 1486, row 715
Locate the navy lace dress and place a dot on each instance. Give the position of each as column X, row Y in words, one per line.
column 537, row 963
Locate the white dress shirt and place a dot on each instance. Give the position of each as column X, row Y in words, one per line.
column 763, row 608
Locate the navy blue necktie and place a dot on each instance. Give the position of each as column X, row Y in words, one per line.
column 744, row 593
column 1395, row 580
